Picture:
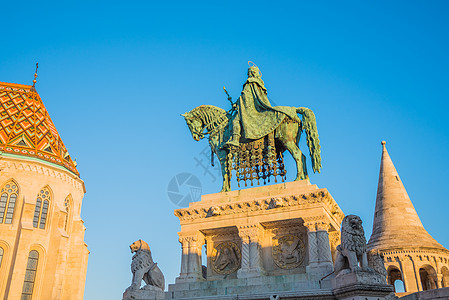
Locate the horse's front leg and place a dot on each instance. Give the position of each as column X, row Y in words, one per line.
column 222, row 156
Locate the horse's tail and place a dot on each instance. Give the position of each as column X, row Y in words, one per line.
column 313, row 142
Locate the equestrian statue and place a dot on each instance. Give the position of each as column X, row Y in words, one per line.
column 251, row 137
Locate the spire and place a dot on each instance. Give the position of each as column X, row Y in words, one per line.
column 33, row 88
column 396, row 223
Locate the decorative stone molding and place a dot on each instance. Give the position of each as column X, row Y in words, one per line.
column 213, row 211
column 322, row 226
column 249, row 231
column 256, row 205
column 40, row 168
column 276, row 203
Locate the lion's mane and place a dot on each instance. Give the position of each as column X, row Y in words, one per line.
column 142, row 259
column 353, row 239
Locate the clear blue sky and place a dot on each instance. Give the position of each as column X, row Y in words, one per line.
column 116, row 75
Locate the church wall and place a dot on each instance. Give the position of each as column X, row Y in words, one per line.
column 62, row 253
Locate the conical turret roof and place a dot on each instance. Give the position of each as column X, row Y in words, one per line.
column 396, row 223
column 26, row 128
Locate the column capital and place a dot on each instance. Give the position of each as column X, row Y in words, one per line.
column 322, row 226
column 317, row 226
column 251, row 231
column 316, row 223
column 190, row 237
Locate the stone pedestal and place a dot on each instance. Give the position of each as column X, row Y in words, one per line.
column 148, row 292
column 362, row 286
column 269, row 238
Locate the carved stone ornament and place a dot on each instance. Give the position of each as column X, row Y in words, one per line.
column 226, row 258
column 288, row 251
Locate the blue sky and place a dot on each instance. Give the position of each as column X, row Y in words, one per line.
column 115, row 76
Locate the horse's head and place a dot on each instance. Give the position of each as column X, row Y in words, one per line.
column 195, row 125
column 204, row 117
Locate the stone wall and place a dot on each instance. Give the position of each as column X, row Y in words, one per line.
column 62, row 262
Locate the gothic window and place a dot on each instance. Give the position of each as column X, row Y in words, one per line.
column 67, row 213
column 41, row 209
column 8, row 200
column 30, row 275
column 1, row 255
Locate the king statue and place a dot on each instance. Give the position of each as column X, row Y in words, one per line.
column 252, row 136
column 255, row 116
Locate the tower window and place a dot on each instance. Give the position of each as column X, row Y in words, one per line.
column 30, row 275
column 67, row 213
column 1, row 255
column 8, row 199
column 41, row 208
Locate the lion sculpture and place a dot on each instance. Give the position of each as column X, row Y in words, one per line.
column 144, row 268
column 352, row 250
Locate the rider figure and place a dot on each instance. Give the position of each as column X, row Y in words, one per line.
column 255, row 116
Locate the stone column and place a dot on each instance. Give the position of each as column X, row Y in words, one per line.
column 320, row 256
column 324, row 248
column 408, row 274
column 191, row 244
column 417, row 276
column 251, row 264
column 439, row 280
column 439, row 276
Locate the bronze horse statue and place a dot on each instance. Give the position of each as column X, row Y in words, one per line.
column 216, row 122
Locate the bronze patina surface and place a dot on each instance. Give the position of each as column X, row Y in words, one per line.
column 252, row 136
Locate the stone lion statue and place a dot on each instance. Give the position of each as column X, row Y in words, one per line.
column 352, row 249
column 144, row 268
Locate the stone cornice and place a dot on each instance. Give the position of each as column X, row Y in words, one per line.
column 22, row 164
column 413, row 251
column 270, row 203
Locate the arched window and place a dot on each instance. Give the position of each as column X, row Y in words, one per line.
column 428, row 278
column 8, row 199
column 445, row 280
column 395, row 279
column 67, row 213
column 1, row 255
column 30, row 275
column 41, row 209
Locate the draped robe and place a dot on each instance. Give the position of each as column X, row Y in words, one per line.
column 255, row 114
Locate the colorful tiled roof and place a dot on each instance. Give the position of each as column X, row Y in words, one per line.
column 26, row 127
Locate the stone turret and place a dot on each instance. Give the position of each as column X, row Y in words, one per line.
column 411, row 254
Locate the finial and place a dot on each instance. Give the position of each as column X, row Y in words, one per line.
column 35, row 76
column 383, row 143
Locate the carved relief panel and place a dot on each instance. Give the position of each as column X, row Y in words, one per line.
column 223, row 253
column 288, row 251
column 226, row 258
column 285, row 247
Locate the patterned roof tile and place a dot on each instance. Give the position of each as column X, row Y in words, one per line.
column 27, row 129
